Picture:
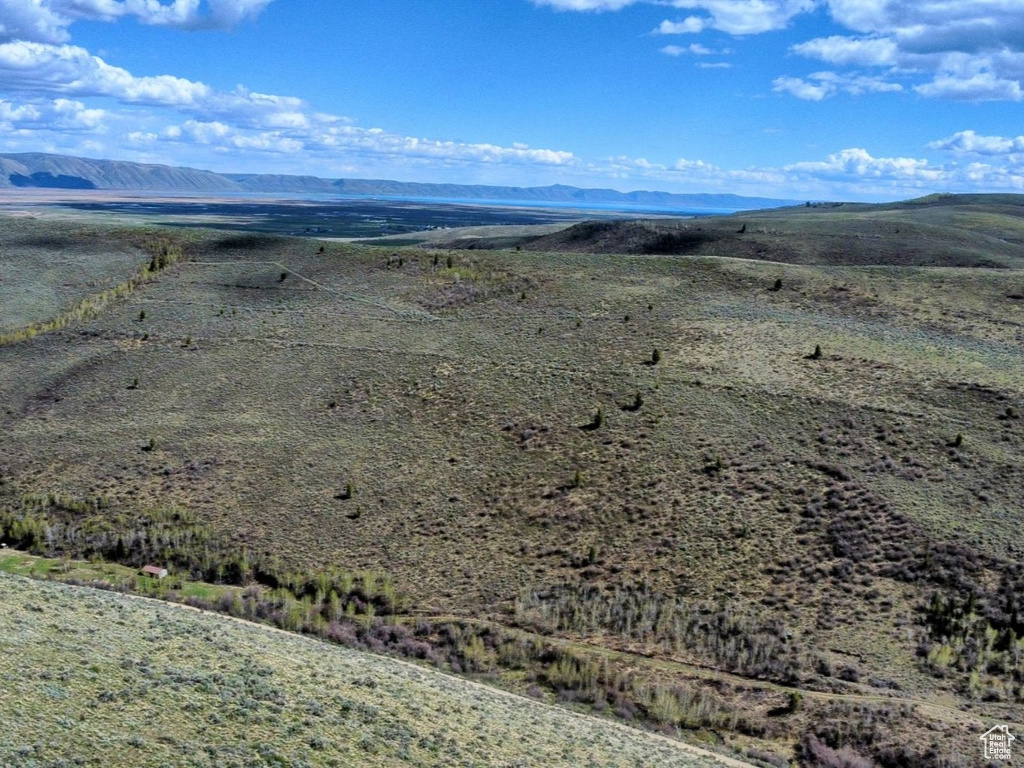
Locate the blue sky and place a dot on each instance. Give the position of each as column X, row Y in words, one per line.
column 803, row 99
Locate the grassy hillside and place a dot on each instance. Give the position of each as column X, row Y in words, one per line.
column 945, row 230
column 93, row 678
column 45, row 272
column 794, row 474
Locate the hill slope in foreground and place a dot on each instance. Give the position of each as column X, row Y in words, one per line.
column 95, row 678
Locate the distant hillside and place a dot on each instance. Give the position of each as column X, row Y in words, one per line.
column 940, row 230
column 63, row 172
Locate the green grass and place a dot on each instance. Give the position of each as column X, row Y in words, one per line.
column 118, row 577
column 35, row 287
column 109, row 680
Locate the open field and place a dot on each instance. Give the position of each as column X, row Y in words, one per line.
column 329, row 217
column 643, row 453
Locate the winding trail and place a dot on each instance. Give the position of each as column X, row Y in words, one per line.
column 925, row 707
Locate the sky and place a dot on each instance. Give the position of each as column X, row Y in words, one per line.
column 799, row 99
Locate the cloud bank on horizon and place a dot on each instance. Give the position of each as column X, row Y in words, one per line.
column 929, row 68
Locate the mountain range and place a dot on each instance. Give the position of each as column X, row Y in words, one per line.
column 39, row 170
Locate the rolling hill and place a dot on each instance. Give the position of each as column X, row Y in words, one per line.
column 773, row 505
column 943, row 230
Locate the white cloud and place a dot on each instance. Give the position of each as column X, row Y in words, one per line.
column 688, row 26
column 225, row 121
column 858, row 163
column 737, row 17
column 692, row 166
column 821, row 85
column 969, row 142
column 983, row 86
column 47, row 21
column 341, row 139
column 39, row 68
column 62, row 115
column 586, row 5
column 748, row 17
column 848, row 174
column 850, row 51
column 20, row 20
column 802, row 89
column 696, row 49
column 968, row 50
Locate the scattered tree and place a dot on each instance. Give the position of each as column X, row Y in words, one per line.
column 655, row 356
column 816, row 354
column 142, row 315
column 778, row 284
column 796, row 700
column 595, row 423
column 636, row 405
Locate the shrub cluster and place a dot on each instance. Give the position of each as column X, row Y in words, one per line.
column 729, row 636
